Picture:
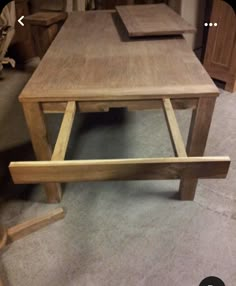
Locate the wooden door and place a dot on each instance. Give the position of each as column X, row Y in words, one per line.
column 220, row 55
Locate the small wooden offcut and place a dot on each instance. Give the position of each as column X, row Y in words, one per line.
column 11, row 234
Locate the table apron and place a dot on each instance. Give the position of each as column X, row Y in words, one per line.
column 131, row 105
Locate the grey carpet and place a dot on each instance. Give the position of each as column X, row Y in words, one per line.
column 131, row 233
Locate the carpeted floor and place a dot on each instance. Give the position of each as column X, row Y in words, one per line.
column 130, row 233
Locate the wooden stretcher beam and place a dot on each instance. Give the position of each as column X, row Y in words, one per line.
column 64, row 133
column 119, row 169
column 175, row 134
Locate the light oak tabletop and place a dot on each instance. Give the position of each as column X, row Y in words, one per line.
column 93, row 58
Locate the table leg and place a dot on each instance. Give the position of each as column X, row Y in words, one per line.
column 198, row 133
column 38, row 132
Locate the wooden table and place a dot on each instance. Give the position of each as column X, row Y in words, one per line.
column 92, row 66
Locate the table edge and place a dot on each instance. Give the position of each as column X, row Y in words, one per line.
column 144, row 93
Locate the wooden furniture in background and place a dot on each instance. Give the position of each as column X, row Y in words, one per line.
column 137, row 75
column 152, row 20
column 22, row 46
column 220, row 55
column 45, row 26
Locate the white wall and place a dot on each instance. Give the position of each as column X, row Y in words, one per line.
column 193, row 12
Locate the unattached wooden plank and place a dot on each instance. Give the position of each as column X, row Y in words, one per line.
column 64, row 133
column 175, row 134
column 119, row 169
column 25, row 228
column 152, row 20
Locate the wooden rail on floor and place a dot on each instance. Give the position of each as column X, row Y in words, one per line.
column 8, row 235
column 18, row 231
column 120, row 169
column 64, row 133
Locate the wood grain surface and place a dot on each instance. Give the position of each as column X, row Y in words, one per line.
column 173, row 127
column 20, row 230
column 64, row 133
column 197, row 139
column 93, row 59
column 220, row 55
column 39, row 136
column 119, row 169
column 152, row 20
